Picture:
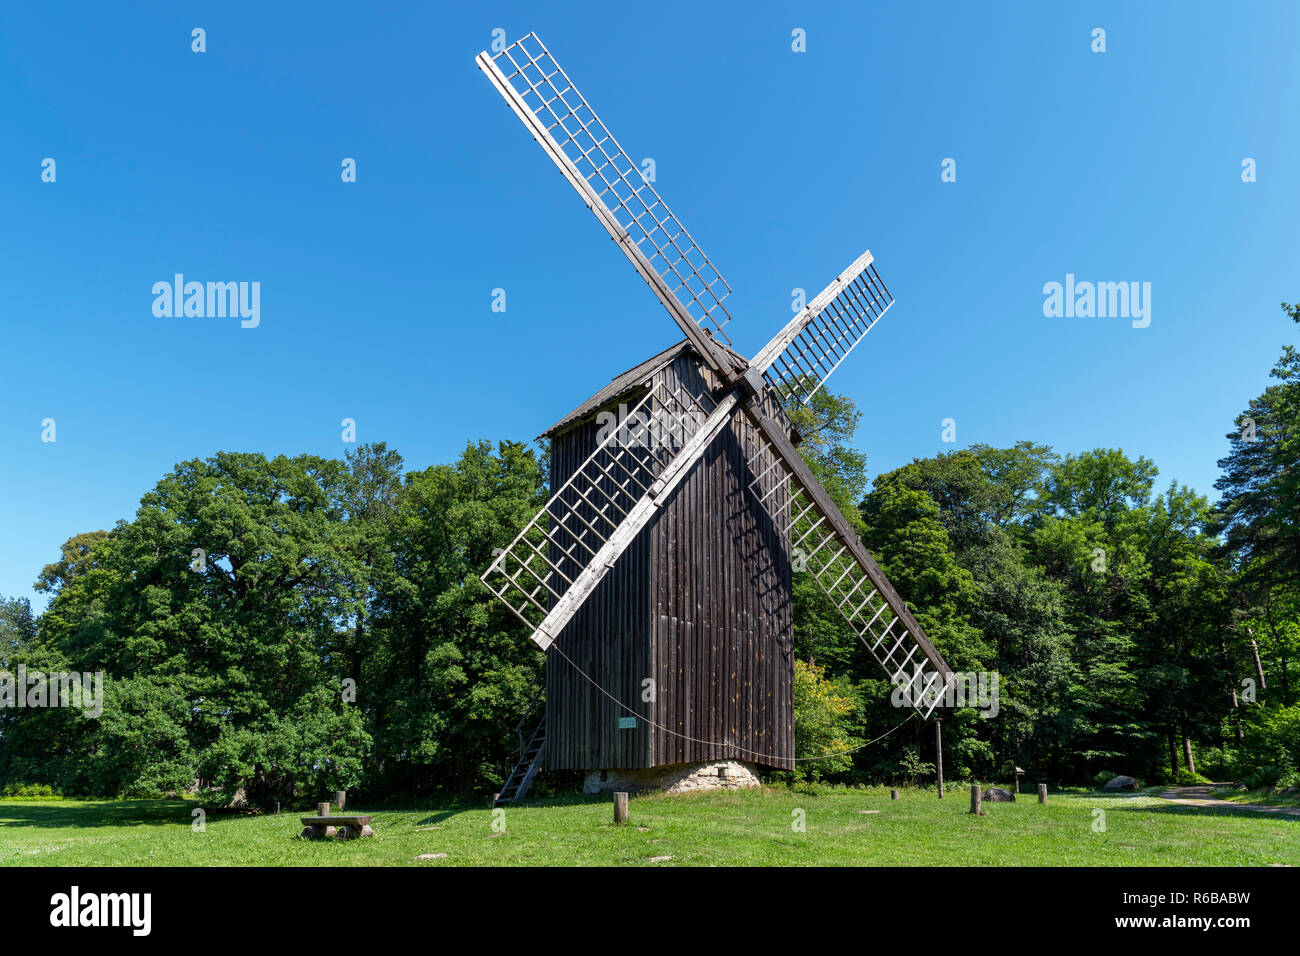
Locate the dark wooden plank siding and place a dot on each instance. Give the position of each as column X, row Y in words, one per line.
column 701, row 604
column 722, row 613
column 609, row 641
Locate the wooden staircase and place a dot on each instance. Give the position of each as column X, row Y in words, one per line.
column 530, row 761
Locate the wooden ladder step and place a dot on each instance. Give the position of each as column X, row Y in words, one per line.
column 529, row 763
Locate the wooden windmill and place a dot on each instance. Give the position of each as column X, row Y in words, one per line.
column 658, row 576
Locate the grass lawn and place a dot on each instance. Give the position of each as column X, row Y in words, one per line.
column 742, row 828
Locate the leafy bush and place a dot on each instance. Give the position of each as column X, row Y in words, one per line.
column 29, row 790
column 1272, row 738
column 823, row 709
column 1217, row 763
column 813, row 788
column 1104, row 777
column 1289, row 781
column 1264, row 778
column 912, row 767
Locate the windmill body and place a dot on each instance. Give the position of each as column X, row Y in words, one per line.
column 682, row 654
column 657, row 578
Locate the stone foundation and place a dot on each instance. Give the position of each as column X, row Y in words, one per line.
column 674, row 778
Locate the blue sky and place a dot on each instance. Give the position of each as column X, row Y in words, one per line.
column 376, row 295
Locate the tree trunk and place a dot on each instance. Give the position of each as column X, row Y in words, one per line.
column 1286, row 683
column 359, row 633
column 1173, row 754
column 1259, row 665
column 1187, row 747
column 358, row 636
column 1232, row 686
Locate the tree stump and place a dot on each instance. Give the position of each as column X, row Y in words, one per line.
column 1042, row 793
column 976, row 800
column 620, row 807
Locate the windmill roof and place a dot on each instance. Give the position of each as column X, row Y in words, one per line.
column 631, row 379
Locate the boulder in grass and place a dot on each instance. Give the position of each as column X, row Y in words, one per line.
column 1121, row 783
column 998, row 795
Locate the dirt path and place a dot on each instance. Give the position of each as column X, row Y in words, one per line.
column 1201, row 796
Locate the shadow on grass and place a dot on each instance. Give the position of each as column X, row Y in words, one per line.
column 101, row 813
column 569, row 800
column 55, row 814
column 479, row 806
column 440, row 815
column 1191, row 810
column 1107, row 794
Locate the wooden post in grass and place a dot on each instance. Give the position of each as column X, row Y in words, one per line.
column 322, row 809
column 893, row 794
column 340, row 799
column 938, row 752
column 976, row 800
column 1042, row 793
column 620, row 807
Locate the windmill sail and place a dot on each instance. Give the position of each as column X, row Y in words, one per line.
column 560, row 556
column 614, row 188
column 797, row 362
column 825, row 544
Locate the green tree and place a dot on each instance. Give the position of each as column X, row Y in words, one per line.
column 823, row 728
column 453, row 666
column 17, row 628
column 826, row 426
column 214, row 615
column 1259, row 511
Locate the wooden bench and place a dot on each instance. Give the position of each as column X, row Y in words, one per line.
column 344, row 827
